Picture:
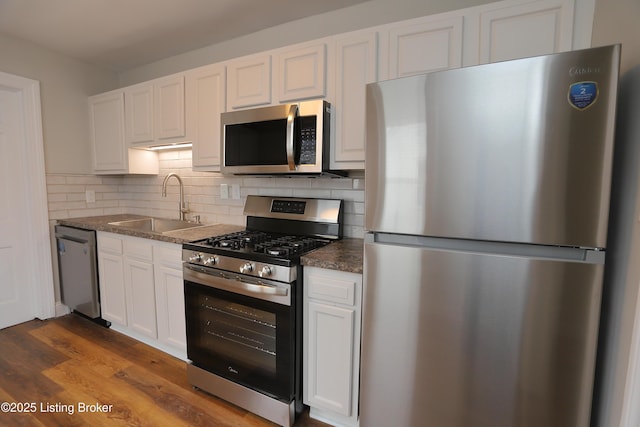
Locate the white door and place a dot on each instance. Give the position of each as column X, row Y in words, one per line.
column 16, row 300
column 26, row 288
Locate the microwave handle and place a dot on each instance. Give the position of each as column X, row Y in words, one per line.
column 293, row 112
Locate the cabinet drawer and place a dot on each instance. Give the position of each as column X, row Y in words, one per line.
column 323, row 286
column 112, row 245
column 138, row 248
column 169, row 255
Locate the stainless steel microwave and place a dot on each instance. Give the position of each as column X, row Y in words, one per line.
column 283, row 139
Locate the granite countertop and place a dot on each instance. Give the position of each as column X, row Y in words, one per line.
column 343, row 255
column 101, row 223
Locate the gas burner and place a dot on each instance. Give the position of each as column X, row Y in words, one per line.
column 275, row 235
column 258, row 242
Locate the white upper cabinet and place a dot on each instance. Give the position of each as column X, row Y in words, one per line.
column 206, row 100
column 423, row 45
column 524, row 30
column 187, row 106
column 169, row 117
column 249, row 82
column 111, row 154
column 155, row 112
column 106, row 115
column 284, row 75
column 139, row 113
column 301, row 73
column 356, row 65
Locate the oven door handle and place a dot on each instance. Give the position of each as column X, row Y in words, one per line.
column 261, row 290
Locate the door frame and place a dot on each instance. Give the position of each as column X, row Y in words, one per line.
column 37, row 215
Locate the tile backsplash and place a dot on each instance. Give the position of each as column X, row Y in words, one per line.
column 72, row 196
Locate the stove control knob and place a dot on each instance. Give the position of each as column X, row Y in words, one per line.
column 195, row 257
column 246, row 268
column 212, row 260
column 265, row 271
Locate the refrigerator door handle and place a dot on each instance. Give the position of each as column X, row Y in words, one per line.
column 561, row 253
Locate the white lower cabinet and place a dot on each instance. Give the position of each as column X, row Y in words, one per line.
column 331, row 373
column 170, row 295
column 141, row 290
column 111, row 270
column 139, row 286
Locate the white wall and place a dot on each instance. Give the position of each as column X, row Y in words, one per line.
column 363, row 15
column 616, row 21
column 65, row 84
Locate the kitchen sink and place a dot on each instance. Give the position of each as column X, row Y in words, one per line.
column 158, row 225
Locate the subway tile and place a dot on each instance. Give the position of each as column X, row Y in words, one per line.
column 84, row 179
column 142, row 195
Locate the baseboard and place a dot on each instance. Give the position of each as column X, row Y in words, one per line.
column 61, row 309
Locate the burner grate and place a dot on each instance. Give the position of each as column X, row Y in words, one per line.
column 281, row 246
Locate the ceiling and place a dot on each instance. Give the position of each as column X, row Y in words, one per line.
column 123, row 34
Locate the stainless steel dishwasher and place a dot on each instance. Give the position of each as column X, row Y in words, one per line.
column 78, row 270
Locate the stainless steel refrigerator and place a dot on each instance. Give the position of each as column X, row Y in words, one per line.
column 487, row 200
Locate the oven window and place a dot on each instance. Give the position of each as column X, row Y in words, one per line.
column 246, row 334
column 243, row 339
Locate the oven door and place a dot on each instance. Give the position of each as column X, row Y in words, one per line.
column 242, row 329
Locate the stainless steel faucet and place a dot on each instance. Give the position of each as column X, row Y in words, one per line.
column 183, row 209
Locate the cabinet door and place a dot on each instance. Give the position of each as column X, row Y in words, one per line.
column 356, row 66
column 111, row 278
column 206, row 100
column 141, row 300
column 431, row 45
column 530, row 29
column 170, row 307
column 139, row 113
column 330, row 357
column 106, row 115
column 331, row 349
column 112, row 291
column 249, row 82
column 301, row 73
column 170, row 295
column 169, row 108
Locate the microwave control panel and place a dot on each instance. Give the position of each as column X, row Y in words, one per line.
column 307, row 137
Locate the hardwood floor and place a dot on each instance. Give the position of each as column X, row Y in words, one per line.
column 69, row 371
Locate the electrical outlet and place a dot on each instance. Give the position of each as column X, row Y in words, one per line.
column 235, row 191
column 224, row 191
column 90, row 196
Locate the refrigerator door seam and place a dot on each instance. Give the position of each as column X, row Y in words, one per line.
column 561, row 253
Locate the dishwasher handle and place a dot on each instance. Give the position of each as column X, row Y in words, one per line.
column 71, row 238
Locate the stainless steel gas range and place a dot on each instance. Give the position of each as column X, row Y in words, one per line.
column 243, row 298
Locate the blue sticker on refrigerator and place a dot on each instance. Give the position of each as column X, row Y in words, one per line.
column 582, row 95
